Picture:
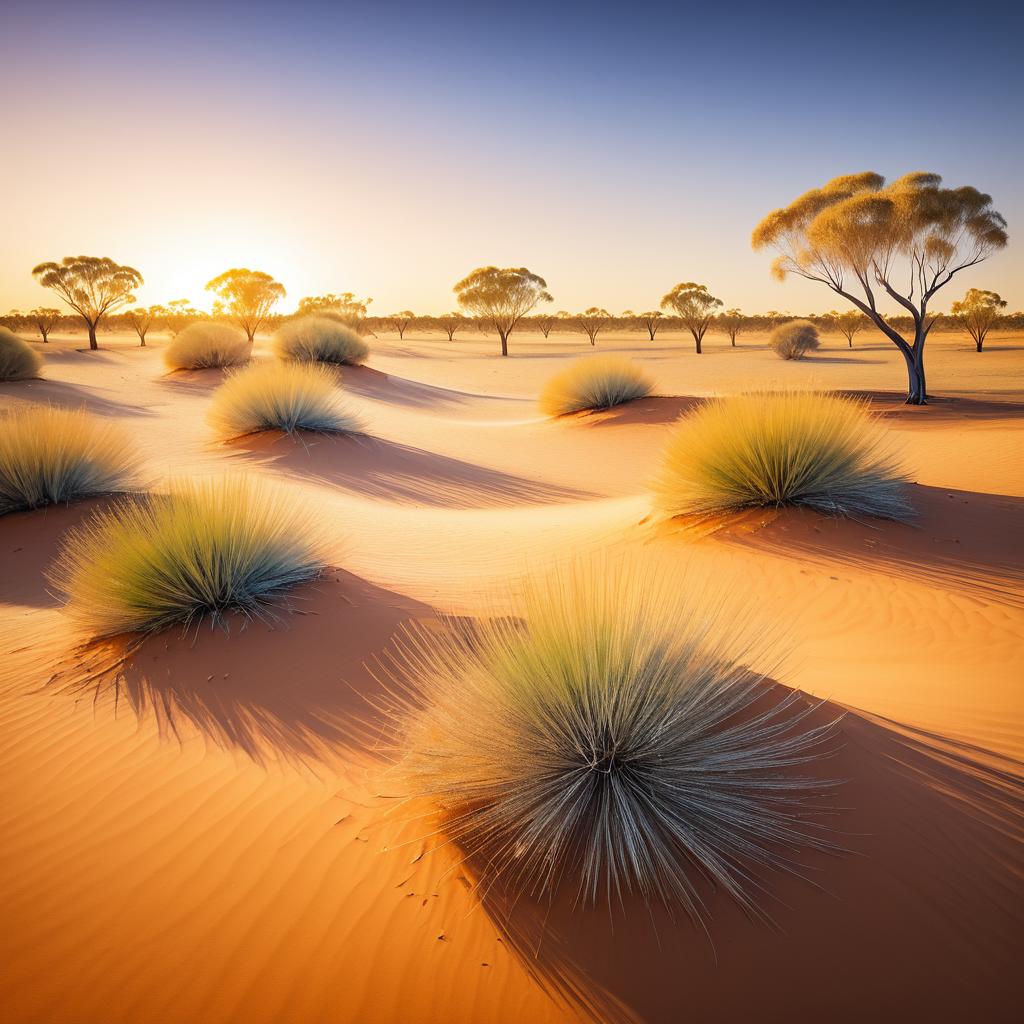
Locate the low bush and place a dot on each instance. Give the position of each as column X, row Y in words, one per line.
column 794, row 340
column 280, row 396
column 205, row 548
column 207, row 345
column 598, row 382
column 770, row 450
column 319, row 339
column 50, row 455
column 18, row 359
column 606, row 738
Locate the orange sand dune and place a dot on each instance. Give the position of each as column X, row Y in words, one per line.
column 203, row 827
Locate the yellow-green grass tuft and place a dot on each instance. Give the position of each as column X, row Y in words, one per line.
column 280, row 396
column 205, row 346
column 205, row 548
column 609, row 738
column 794, row 340
column 597, row 382
column 50, row 455
column 18, row 359
column 319, row 339
column 791, row 448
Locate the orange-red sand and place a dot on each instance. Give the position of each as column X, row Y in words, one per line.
column 211, row 839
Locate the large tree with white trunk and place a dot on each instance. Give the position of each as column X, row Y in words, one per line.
column 901, row 242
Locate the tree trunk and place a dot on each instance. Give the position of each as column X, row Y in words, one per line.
column 979, row 342
column 696, row 338
column 504, row 342
column 849, row 340
column 917, row 391
column 92, row 337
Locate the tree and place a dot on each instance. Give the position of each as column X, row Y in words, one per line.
column 345, row 306
column 591, row 321
column 651, row 320
column 545, row 323
column 248, row 297
column 695, row 306
column 400, row 322
column 142, row 320
column 978, row 311
column 92, row 286
column 502, row 296
column 45, row 320
column 908, row 238
column 452, row 322
column 176, row 315
column 848, row 323
column 732, row 321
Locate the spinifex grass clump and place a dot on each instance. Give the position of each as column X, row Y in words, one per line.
column 18, row 360
column 280, row 396
column 790, row 448
column 50, row 455
column 205, row 548
column 320, row 339
column 609, row 739
column 205, row 346
column 794, row 340
column 599, row 382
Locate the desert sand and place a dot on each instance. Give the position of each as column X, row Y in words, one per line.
column 213, row 838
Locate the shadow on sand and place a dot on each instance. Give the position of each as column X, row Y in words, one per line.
column 375, row 468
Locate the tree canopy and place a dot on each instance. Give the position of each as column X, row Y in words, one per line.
column 908, row 239
column 248, row 296
column 502, row 296
column 92, row 286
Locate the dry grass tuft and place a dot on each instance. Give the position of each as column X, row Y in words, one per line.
column 320, row 339
column 598, row 382
column 280, row 396
column 50, row 455
column 205, row 548
column 794, row 340
column 18, row 359
column 790, row 448
column 205, row 346
column 608, row 738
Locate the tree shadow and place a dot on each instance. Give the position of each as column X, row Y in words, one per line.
column 892, row 405
column 293, row 686
column 919, row 918
column 372, row 467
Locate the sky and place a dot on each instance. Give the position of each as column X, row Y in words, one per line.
column 388, row 148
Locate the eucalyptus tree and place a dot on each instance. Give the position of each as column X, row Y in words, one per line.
column 695, row 306
column 732, row 321
column 906, row 239
column 592, row 321
column 92, row 286
column 450, row 323
column 344, row 306
column 45, row 320
column 978, row 311
column 247, row 296
column 143, row 320
column 400, row 322
column 545, row 322
column 501, row 296
column 848, row 322
column 651, row 320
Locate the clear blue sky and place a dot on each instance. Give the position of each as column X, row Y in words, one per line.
column 388, row 148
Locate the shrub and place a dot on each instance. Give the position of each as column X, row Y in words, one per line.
column 205, row 548
column 18, row 360
column 320, row 339
column 607, row 737
column 50, row 455
column 794, row 340
column 599, row 382
column 207, row 345
column 280, row 396
column 769, row 450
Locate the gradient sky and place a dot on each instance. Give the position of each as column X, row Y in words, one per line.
column 388, row 148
